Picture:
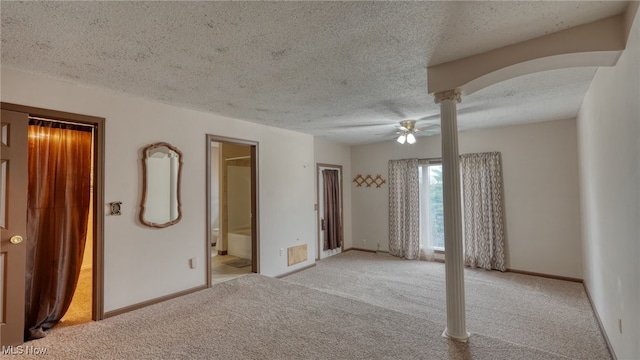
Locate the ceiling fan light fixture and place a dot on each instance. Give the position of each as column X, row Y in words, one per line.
column 402, row 138
column 411, row 139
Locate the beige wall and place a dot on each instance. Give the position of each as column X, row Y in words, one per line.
column 540, row 184
column 609, row 143
column 143, row 263
column 327, row 152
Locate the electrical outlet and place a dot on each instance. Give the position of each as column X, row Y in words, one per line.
column 620, row 325
column 364, row 241
column 281, row 251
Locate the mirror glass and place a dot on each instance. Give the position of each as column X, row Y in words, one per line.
column 161, row 165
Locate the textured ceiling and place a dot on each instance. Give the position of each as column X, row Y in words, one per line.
column 344, row 71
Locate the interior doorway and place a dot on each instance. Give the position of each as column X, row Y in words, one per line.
column 232, row 233
column 45, row 123
column 330, row 217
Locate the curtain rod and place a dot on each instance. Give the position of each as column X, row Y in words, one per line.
column 430, row 161
column 61, row 121
column 238, row 158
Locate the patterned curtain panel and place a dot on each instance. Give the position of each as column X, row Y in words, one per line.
column 483, row 210
column 404, row 209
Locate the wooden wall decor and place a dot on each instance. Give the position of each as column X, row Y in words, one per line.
column 369, row 180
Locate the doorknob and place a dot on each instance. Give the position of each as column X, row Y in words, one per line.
column 16, row 239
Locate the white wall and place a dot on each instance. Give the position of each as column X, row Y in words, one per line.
column 609, row 152
column 142, row 263
column 540, row 184
column 327, row 152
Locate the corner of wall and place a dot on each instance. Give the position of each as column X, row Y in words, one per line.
column 608, row 149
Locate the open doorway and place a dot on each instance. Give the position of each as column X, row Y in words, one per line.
column 231, row 208
column 54, row 208
column 330, row 218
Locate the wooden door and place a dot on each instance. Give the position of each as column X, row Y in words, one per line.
column 13, row 221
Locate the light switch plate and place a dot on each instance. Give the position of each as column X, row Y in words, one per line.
column 115, row 208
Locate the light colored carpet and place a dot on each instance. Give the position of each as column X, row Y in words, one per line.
column 550, row 315
column 256, row 317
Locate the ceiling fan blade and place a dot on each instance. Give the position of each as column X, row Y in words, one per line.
column 431, row 131
column 430, row 117
column 428, row 127
column 461, row 111
column 358, row 126
column 388, row 134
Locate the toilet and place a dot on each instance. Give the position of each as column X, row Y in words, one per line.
column 214, row 236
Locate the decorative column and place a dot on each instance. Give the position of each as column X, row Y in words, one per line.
column 454, row 266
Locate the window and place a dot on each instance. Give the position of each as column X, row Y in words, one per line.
column 431, row 207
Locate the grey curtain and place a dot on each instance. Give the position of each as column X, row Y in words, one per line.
column 404, row 209
column 483, row 210
column 333, row 221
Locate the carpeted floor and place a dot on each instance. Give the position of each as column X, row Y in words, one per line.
column 330, row 312
column 551, row 315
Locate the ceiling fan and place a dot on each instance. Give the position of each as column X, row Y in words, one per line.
column 408, row 130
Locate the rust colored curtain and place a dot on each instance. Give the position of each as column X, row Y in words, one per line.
column 333, row 222
column 57, row 214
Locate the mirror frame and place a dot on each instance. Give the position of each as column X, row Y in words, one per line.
column 145, row 156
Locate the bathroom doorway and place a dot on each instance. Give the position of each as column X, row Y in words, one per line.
column 232, row 234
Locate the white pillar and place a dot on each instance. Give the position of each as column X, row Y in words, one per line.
column 454, row 266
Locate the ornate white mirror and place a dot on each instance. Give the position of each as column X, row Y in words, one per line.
column 161, row 164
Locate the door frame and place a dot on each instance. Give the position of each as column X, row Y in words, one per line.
column 319, row 226
column 255, row 213
column 98, row 123
column 13, row 255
